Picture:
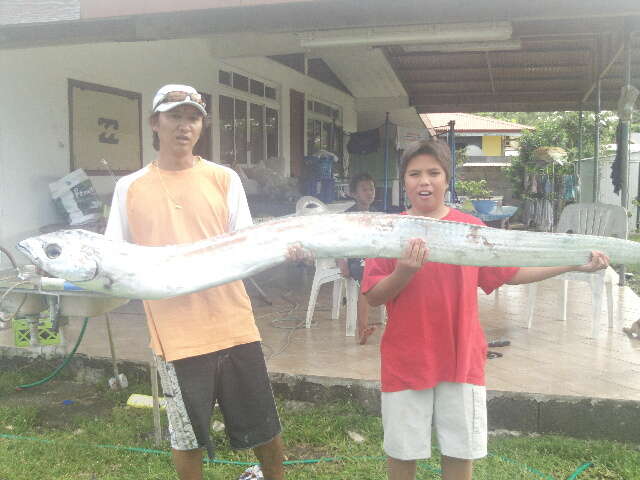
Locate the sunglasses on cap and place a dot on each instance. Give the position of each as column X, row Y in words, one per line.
column 171, row 97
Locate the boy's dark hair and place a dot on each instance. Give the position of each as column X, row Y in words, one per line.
column 361, row 177
column 434, row 147
column 206, row 121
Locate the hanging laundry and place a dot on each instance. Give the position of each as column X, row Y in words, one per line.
column 569, row 183
column 616, row 166
column 546, row 215
column 364, row 142
column 529, row 211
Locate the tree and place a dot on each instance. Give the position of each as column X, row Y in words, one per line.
column 556, row 129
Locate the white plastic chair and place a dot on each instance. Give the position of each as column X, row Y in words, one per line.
column 588, row 219
column 327, row 271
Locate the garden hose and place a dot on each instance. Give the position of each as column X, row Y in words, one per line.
column 62, row 365
column 312, row 461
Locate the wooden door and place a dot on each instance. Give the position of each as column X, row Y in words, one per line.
column 296, row 132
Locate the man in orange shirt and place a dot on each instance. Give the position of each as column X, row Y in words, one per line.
column 207, row 345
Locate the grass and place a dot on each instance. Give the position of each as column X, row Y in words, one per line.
column 40, row 438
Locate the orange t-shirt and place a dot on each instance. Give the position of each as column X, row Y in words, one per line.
column 212, row 202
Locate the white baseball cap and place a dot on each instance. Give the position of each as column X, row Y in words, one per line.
column 164, row 98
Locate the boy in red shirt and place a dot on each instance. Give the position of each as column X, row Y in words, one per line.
column 433, row 350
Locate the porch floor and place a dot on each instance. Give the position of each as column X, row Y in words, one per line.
column 552, row 357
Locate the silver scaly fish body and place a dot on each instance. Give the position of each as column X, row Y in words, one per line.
column 123, row 269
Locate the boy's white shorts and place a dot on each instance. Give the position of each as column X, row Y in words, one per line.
column 458, row 411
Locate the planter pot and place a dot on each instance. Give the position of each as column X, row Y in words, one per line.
column 484, row 206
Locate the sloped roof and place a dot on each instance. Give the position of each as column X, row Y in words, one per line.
column 466, row 122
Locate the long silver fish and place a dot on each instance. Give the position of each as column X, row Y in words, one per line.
column 123, row 269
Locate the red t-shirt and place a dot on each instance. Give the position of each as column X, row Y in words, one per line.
column 433, row 333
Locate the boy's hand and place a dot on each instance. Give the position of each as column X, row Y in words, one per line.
column 343, row 265
column 296, row 253
column 599, row 261
column 415, row 255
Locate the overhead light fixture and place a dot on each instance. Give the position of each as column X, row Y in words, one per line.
column 408, row 35
column 466, row 47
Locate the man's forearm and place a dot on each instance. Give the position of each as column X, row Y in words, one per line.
column 536, row 274
column 388, row 288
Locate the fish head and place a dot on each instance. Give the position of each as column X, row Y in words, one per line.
column 70, row 254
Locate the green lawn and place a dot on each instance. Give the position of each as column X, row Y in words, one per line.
column 96, row 436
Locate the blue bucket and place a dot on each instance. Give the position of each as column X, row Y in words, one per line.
column 484, row 206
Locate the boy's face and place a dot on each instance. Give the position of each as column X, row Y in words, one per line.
column 426, row 183
column 178, row 129
column 365, row 193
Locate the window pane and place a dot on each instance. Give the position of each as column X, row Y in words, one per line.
column 224, row 77
column 313, row 136
column 240, row 82
column 241, row 131
column 257, row 88
column 272, row 133
column 270, row 92
column 257, row 133
column 227, row 151
column 325, row 138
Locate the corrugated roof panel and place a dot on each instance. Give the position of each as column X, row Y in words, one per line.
column 466, row 122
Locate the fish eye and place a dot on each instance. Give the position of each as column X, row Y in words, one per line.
column 53, row 250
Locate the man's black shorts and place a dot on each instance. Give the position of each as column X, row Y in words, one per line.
column 237, row 379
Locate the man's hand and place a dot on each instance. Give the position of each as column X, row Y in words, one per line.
column 599, row 261
column 296, row 253
column 416, row 254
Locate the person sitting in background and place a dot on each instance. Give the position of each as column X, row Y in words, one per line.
column 363, row 190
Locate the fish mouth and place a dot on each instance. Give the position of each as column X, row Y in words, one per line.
column 23, row 248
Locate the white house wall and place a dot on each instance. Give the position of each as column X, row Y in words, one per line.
column 291, row 79
column 34, row 117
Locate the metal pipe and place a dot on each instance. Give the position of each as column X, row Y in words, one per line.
column 579, row 163
column 624, row 144
column 452, row 146
column 624, row 129
column 596, row 147
column 603, row 72
column 386, row 159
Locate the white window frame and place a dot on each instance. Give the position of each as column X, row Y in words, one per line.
column 311, row 115
column 248, row 98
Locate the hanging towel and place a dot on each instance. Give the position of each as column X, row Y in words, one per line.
column 364, row 142
column 616, row 166
column 569, row 183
